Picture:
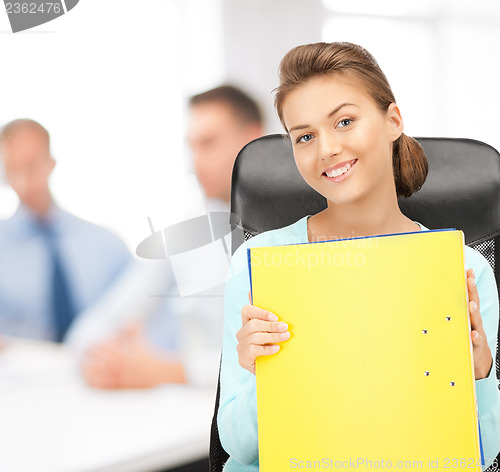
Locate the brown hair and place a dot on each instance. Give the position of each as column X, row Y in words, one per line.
column 308, row 61
column 242, row 104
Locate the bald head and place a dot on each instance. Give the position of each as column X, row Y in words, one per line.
column 10, row 130
column 25, row 153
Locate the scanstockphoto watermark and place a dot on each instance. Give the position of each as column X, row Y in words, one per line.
column 344, row 253
column 366, row 463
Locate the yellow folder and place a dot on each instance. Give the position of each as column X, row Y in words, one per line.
column 378, row 371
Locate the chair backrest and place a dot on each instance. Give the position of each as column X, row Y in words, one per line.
column 461, row 191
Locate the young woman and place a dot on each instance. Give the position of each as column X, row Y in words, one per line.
column 347, row 135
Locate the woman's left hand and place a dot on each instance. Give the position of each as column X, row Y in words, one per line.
column 480, row 349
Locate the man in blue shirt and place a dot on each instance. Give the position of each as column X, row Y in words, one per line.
column 52, row 264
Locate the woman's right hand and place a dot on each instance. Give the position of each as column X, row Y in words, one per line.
column 259, row 331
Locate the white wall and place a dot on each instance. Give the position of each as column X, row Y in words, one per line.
column 109, row 80
column 257, row 35
column 442, row 57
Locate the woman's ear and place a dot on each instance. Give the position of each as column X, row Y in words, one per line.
column 395, row 121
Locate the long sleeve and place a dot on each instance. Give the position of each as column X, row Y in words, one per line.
column 487, row 392
column 237, row 417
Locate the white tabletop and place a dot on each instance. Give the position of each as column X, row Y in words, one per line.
column 50, row 421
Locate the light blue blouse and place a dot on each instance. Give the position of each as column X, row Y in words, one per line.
column 237, row 416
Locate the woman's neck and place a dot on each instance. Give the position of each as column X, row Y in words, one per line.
column 364, row 217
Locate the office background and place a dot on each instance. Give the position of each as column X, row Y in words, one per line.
column 110, row 81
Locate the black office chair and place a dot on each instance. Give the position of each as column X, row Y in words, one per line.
column 462, row 191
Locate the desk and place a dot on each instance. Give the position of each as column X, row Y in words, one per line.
column 50, row 421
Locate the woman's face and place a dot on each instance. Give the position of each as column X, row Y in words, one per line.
column 342, row 141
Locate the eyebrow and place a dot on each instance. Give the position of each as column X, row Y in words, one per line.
column 333, row 112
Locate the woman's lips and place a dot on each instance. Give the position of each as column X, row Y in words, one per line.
column 340, row 171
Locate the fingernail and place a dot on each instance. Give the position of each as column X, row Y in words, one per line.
column 476, row 335
column 474, row 306
column 272, row 317
column 275, row 348
column 285, row 335
column 282, row 326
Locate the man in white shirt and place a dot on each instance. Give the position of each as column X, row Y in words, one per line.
column 222, row 121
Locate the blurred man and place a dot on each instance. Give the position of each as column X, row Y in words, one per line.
column 221, row 122
column 52, row 264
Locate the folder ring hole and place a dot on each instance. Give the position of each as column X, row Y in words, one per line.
column 452, row 383
column 448, row 318
column 424, row 331
column 427, row 373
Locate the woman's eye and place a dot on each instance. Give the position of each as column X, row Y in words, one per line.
column 345, row 122
column 305, row 138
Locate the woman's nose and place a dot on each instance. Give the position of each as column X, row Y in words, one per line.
column 329, row 145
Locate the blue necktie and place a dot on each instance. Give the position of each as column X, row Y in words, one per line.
column 63, row 310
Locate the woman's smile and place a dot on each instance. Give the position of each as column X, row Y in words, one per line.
column 339, row 171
